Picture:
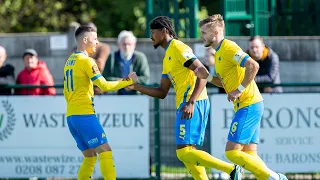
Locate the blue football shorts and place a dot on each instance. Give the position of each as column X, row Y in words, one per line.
column 87, row 131
column 245, row 126
column 192, row 131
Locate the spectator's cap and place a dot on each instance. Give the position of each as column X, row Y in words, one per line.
column 123, row 34
column 30, row 52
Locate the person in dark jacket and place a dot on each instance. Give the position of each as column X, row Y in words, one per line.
column 6, row 73
column 126, row 60
column 268, row 60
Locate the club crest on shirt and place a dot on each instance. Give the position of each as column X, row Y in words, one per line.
column 237, row 57
column 95, row 69
column 188, row 55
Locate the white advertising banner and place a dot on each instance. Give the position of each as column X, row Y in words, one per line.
column 35, row 140
column 290, row 127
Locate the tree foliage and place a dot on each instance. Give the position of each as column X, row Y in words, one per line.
column 40, row 15
column 115, row 16
column 56, row 15
column 47, row 15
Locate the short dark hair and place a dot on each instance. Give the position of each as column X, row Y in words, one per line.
column 163, row 22
column 256, row 37
column 83, row 29
column 91, row 24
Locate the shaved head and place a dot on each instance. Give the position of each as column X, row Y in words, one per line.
column 3, row 55
column 87, row 39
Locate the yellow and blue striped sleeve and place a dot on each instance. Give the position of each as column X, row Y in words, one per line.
column 164, row 72
column 164, row 75
column 91, row 69
column 236, row 55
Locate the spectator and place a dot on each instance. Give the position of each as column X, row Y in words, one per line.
column 269, row 64
column 126, row 60
column 209, row 63
column 6, row 73
column 35, row 72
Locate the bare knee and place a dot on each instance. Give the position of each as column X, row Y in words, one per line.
column 250, row 147
column 233, row 146
column 103, row 148
column 89, row 153
column 184, row 146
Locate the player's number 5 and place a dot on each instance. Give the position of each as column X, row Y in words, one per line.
column 182, row 129
column 69, row 80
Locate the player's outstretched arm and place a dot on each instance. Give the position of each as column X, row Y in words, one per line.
column 90, row 67
column 202, row 73
column 115, row 85
column 158, row 92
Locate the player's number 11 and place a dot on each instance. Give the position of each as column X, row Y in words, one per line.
column 69, row 80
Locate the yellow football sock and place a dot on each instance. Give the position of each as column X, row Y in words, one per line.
column 197, row 172
column 255, row 154
column 107, row 168
column 202, row 158
column 86, row 168
column 249, row 163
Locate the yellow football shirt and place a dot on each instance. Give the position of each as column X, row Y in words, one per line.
column 177, row 58
column 229, row 68
column 80, row 73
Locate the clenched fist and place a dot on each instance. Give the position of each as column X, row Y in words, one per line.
column 133, row 76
